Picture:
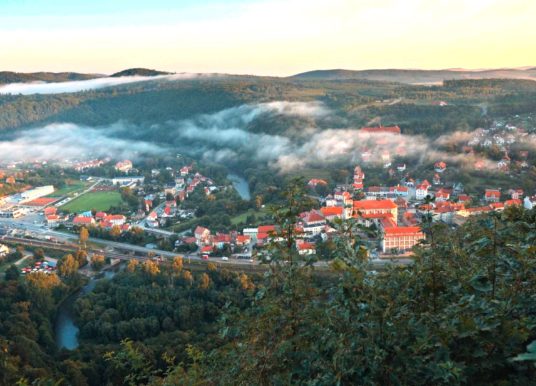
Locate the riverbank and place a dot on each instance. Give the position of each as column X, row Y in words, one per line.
column 240, row 185
column 65, row 329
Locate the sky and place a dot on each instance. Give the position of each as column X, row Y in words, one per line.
column 264, row 37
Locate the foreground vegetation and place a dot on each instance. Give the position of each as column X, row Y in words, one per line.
column 463, row 314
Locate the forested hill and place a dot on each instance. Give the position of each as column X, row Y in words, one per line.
column 139, row 72
column 418, row 76
column 353, row 102
column 20, row 77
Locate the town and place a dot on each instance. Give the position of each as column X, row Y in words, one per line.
column 158, row 209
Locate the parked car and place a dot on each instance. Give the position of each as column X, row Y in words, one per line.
column 225, row 258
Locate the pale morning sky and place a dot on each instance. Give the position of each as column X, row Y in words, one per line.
column 278, row 37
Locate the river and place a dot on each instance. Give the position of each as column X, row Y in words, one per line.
column 240, row 185
column 65, row 330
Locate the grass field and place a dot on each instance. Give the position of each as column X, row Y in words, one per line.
column 71, row 186
column 93, row 200
column 242, row 217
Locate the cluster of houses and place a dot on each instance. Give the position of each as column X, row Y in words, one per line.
column 502, row 136
column 101, row 219
column 184, row 185
column 124, row 166
column 91, row 164
column 208, row 242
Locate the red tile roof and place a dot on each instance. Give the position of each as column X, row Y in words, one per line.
column 374, row 204
column 382, row 129
column 394, row 231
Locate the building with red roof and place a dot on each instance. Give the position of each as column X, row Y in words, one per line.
column 332, row 212
column 82, row 220
column 492, row 195
column 368, row 207
column 401, row 238
column 381, row 130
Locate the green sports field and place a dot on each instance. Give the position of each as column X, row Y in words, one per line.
column 93, row 200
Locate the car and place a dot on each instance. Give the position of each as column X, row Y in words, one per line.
column 251, row 260
column 225, row 258
column 204, row 257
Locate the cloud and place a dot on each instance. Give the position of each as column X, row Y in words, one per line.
column 67, row 141
column 85, row 85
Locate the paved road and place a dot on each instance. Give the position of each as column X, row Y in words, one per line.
column 17, row 223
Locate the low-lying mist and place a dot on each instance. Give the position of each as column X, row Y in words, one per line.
column 226, row 137
column 85, row 85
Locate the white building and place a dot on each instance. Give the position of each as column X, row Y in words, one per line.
column 35, row 193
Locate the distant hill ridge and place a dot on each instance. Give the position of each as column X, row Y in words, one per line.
column 139, row 72
column 19, row 77
column 416, row 76
column 7, row 77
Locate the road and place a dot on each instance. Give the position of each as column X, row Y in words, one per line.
column 40, row 230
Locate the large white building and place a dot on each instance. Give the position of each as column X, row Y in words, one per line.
column 34, row 193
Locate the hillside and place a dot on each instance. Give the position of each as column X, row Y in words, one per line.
column 139, row 72
column 418, row 76
column 20, row 77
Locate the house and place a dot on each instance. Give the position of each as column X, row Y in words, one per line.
column 185, row 170
column 464, row 198
column 498, row 206
column 401, row 238
column 152, row 220
column 202, row 235
column 516, row 194
column 83, row 220
column 124, row 166
column 330, row 213
column 437, row 179
column 374, row 209
column 359, row 176
column 115, row 219
column 206, row 250
column 492, row 195
column 305, row 248
column 313, row 182
column 399, row 190
column 381, row 130
column 250, row 232
column 313, row 222
column 401, row 167
column 52, row 220
column 421, row 191
column 50, row 211
column 221, row 240
column 242, row 240
column 442, row 195
column 440, row 167
column 513, row 202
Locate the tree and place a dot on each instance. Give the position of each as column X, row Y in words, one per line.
column 151, row 268
column 132, row 265
column 12, row 273
column 204, row 282
column 177, row 265
column 115, row 232
column 83, row 236
column 67, row 266
column 97, row 262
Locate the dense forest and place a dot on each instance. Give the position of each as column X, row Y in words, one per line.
column 463, row 314
column 150, row 105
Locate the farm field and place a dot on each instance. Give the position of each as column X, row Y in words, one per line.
column 94, row 200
